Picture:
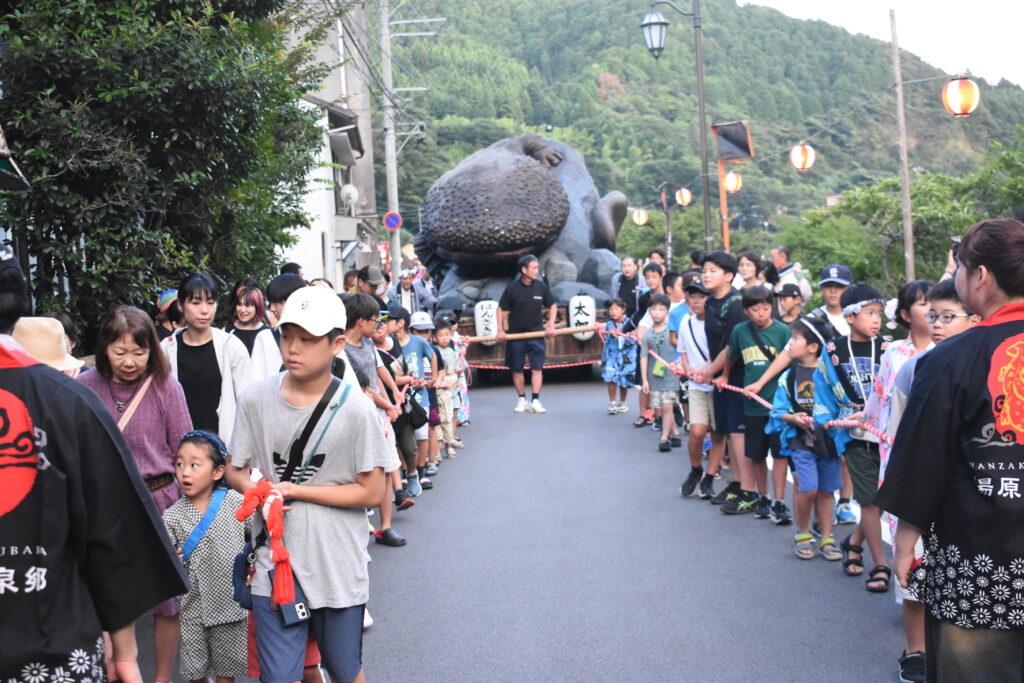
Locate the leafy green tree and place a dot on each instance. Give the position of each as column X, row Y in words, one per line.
column 865, row 230
column 160, row 137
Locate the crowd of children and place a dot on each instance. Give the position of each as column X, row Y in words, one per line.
column 320, row 409
column 757, row 377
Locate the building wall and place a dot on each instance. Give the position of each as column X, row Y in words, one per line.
column 345, row 85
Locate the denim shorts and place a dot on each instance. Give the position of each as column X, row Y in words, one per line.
column 816, row 474
column 517, row 350
column 282, row 649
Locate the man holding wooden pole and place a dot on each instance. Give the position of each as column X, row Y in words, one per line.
column 520, row 310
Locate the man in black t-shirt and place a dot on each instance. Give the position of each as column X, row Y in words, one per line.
column 520, row 310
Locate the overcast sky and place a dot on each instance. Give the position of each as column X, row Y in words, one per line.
column 982, row 35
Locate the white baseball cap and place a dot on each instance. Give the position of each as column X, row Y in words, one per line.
column 315, row 309
column 420, row 320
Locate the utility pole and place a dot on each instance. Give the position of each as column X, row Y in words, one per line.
column 668, row 225
column 901, row 121
column 388, row 106
column 390, row 146
column 705, row 180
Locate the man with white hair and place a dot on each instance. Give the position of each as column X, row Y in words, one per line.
column 789, row 274
column 410, row 293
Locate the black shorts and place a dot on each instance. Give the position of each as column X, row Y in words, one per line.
column 517, row 350
column 729, row 417
column 756, row 442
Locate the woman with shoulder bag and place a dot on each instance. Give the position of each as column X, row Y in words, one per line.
column 132, row 378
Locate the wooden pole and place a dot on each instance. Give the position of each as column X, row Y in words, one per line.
column 536, row 335
column 901, row 121
column 723, row 200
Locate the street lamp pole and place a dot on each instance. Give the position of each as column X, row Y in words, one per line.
column 655, row 44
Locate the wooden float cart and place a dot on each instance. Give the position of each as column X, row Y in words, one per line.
column 561, row 350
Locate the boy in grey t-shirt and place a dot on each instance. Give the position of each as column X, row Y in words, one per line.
column 658, row 379
column 325, row 529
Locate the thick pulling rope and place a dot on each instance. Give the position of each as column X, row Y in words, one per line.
column 533, row 335
column 483, row 366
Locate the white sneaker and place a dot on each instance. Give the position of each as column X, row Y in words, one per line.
column 367, row 619
column 521, row 405
column 536, row 407
column 623, row 408
column 613, row 407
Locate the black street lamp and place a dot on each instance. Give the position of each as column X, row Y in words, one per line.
column 655, row 27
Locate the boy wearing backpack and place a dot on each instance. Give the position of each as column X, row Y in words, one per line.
column 755, row 344
column 318, row 440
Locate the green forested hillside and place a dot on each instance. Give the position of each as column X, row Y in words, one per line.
column 578, row 71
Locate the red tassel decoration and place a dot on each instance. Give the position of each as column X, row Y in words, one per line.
column 264, row 495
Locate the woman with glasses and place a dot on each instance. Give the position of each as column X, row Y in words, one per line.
column 954, row 474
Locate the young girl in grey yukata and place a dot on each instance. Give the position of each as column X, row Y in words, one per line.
column 203, row 528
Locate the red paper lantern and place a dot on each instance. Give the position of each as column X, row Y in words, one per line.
column 683, row 197
column 960, row 97
column 733, row 182
column 802, row 157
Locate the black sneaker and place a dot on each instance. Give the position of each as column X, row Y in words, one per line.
column 707, row 487
column 664, row 446
column 677, row 441
column 657, row 424
column 690, row 485
column 780, row 514
column 763, row 508
column 912, row 667
column 728, row 493
column 740, row 504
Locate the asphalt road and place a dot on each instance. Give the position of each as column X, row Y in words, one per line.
column 556, row 547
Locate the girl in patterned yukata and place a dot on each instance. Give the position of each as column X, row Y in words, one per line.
column 462, row 411
column 911, row 309
column 618, row 362
column 448, row 394
column 203, row 528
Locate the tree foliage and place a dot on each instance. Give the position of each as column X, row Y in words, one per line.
column 581, row 67
column 160, row 137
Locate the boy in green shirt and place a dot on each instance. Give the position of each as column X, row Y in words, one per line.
column 755, row 344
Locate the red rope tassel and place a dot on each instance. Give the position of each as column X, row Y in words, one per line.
column 264, row 495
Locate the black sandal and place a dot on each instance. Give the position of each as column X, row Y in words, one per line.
column 846, row 547
column 874, row 577
column 642, row 422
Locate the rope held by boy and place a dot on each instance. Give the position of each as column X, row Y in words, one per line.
column 841, row 424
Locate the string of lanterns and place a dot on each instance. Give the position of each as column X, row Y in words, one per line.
column 960, row 97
